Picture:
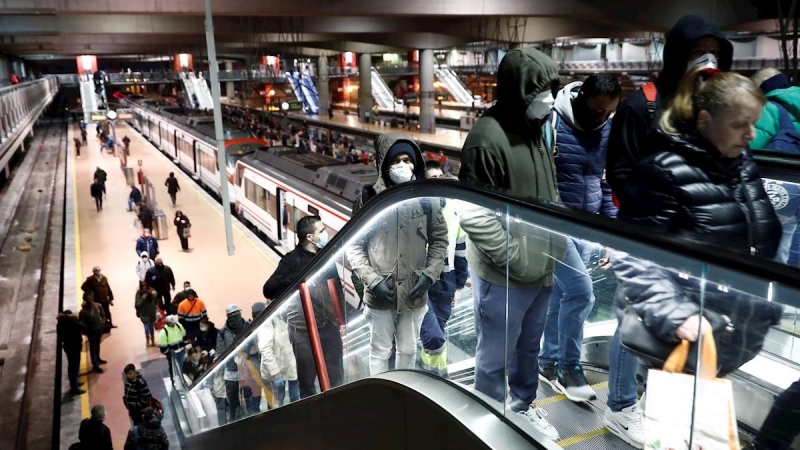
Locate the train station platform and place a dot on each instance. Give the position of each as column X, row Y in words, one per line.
column 107, row 239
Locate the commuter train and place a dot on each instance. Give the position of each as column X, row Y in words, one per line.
column 271, row 188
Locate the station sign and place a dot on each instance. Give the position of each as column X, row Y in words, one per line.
column 278, row 106
column 122, row 114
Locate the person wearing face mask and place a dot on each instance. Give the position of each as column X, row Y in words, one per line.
column 703, row 185
column 143, row 265
column 581, row 123
column 313, row 237
column 234, row 325
column 400, row 259
column 508, row 148
column 692, row 42
column 147, row 243
column 206, row 338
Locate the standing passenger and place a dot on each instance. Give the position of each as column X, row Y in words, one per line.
column 98, row 285
column 146, row 310
column 143, row 265
column 161, row 278
column 400, row 259
column 172, row 342
column 95, row 321
column 184, row 227
column 96, row 190
column 172, row 187
column 512, row 270
column 580, row 119
column 234, row 325
column 70, row 331
column 190, row 312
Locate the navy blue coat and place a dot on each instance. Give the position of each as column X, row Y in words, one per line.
column 580, row 163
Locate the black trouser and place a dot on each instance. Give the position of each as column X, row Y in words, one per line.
column 73, row 367
column 98, row 201
column 107, row 310
column 136, row 417
column 781, row 425
column 331, row 343
column 163, row 299
column 184, row 241
column 94, row 347
column 172, row 197
column 232, row 394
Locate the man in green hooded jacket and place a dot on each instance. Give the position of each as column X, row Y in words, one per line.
column 510, row 148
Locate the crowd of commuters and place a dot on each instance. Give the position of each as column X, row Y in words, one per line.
column 673, row 157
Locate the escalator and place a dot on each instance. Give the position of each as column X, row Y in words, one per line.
column 454, row 85
column 307, row 95
column 380, row 90
column 410, row 409
column 202, row 90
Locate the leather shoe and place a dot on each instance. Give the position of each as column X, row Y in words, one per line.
column 97, row 370
column 102, row 361
column 76, row 391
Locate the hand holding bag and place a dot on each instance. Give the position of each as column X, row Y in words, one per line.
column 672, row 403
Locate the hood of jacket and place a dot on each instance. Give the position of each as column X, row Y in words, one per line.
column 563, row 105
column 678, row 45
column 382, row 145
column 522, row 74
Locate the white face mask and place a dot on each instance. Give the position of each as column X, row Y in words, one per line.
column 400, row 173
column 323, row 239
column 706, row 61
column 540, row 106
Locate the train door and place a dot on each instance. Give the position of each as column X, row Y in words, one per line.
column 283, row 215
column 175, row 143
column 195, row 156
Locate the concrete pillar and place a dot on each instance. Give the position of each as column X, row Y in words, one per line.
column 365, row 86
column 323, row 85
column 427, row 121
column 229, row 90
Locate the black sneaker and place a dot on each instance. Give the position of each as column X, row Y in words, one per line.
column 572, row 382
column 548, row 375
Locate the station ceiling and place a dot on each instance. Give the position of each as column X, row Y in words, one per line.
column 64, row 28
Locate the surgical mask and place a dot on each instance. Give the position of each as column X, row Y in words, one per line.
column 323, row 238
column 540, row 106
column 400, row 173
column 706, row 61
column 186, row 288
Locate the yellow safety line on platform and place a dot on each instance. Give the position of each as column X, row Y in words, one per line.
column 197, row 188
column 78, row 273
column 572, row 440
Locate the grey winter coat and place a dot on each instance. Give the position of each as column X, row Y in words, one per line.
column 405, row 243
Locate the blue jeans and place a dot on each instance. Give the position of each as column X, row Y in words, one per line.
column 518, row 338
column 622, row 367
column 570, row 305
column 130, row 204
column 149, row 329
column 789, row 225
column 432, row 331
column 279, row 390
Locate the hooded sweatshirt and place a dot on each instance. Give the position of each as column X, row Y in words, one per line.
column 506, row 150
column 632, row 121
column 581, row 157
column 407, row 242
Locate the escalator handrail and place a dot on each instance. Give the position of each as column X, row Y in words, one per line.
column 642, row 237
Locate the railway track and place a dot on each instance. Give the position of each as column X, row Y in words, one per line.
column 28, row 202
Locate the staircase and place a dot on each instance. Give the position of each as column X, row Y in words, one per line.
column 453, row 84
column 380, row 91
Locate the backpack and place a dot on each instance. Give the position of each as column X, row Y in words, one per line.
column 787, row 140
column 135, row 430
column 651, row 97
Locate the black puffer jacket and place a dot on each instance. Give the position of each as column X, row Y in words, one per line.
column 691, row 190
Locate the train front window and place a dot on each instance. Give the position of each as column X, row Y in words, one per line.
column 235, row 152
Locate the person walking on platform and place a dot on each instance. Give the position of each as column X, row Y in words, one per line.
column 126, row 141
column 172, row 342
column 137, row 395
column 78, row 147
column 581, row 124
column 172, row 187
column 98, row 285
column 93, row 433
column 70, row 331
column 96, row 189
column 94, row 320
column 143, row 265
column 83, row 136
column 161, row 278
column 401, row 259
column 146, row 216
column 148, row 435
column 172, row 308
column 134, row 198
column 190, row 312
column 512, row 270
column 146, row 311
column 147, row 244
column 101, row 176
column 184, row 229
column 313, row 237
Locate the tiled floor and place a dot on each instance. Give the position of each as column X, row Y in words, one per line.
column 108, row 237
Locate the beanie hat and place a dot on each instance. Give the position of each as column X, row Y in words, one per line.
column 258, row 307
column 231, row 309
column 399, row 148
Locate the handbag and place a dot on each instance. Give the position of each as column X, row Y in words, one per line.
column 187, row 232
column 739, row 321
column 684, row 408
column 161, row 319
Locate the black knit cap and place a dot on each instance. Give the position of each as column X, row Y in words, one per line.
column 400, row 147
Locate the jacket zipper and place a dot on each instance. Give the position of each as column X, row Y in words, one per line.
column 747, row 208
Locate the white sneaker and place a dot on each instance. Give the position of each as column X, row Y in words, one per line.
column 627, row 424
column 536, row 417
